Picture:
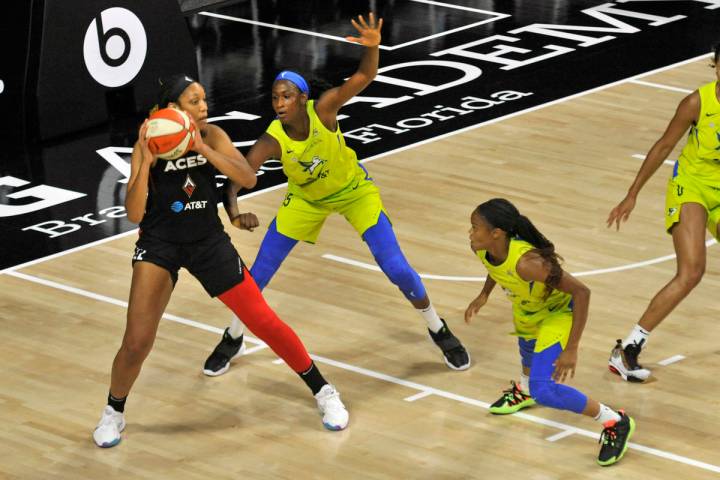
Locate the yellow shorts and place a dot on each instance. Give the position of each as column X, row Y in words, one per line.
column 302, row 219
column 553, row 328
column 684, row 189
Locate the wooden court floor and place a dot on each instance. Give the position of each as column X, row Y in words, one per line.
column 564, row 166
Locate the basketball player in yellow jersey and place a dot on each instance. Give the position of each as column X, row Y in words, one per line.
column 550, row 308
column 692, row 203
column 324, row 177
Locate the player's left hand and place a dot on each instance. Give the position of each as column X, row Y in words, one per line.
column 564, row 365
column 246, row 221
column 369, row 31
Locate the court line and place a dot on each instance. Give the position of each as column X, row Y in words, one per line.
column 279, row 27
column 642, row 157
column 417, row 396
column 537, row 107
column 66, row 252
column 460, row 7
column 451, row 278
column 659, row 85
column 425, row 389
column 399, row 149
column 671, row 360
column 559, row 436
column 496, row 17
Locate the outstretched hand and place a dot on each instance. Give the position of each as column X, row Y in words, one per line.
column 369, row 31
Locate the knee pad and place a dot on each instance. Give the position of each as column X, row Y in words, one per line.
column 555, row 395
column 386, row 250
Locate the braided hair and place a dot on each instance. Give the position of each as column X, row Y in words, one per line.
column 500, row 213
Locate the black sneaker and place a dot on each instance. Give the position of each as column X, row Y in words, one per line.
column 219, row 360
column 456, row 357
column 614, row 439
column 624, row 362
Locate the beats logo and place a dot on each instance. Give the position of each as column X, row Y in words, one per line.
column 115, row 46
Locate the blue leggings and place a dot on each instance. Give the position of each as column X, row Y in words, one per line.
column 273, row 250
column 543, row 388
column 380, row 239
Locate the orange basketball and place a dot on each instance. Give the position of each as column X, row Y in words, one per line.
column 171, row 133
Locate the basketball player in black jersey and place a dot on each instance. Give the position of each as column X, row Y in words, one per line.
column 176, row 205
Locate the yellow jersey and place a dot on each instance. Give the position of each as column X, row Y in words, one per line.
column 701, row 156
column 530, row 307
column 320, row 165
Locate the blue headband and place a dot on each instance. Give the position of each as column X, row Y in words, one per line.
column 296, row 79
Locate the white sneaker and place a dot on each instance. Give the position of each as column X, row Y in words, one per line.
column 107, row 432
column 335, row 416
column 624, row 362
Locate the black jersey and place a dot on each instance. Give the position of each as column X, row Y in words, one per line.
column 182, row 200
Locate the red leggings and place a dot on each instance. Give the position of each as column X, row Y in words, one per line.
column 246, row 301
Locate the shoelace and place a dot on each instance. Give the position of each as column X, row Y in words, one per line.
column 608, row 435
column 514, row 395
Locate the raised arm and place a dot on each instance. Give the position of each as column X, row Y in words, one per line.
column 330, row 102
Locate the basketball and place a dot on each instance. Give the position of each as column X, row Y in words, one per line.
column 171, row 133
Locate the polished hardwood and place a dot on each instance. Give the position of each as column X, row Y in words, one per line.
column 564, row 166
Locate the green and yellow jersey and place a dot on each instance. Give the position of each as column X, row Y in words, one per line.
column 700, row 158
column 530, row 307
column 320, row 165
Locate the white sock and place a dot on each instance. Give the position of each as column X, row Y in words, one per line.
column 525, row 383
column 637, row 335
column 431, row 318
column 236, row 327
column 607, row 414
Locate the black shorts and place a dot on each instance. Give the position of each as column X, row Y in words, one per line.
column 213, row 260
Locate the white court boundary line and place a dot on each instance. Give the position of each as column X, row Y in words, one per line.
column 496, row 16
column 451, row 278
column 671, row 360
column 401, row 149
column 640, row 156
column 659, row 85
column 424, row 390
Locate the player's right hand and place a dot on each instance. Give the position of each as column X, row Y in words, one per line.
column 621, row 212
column 474, row 307
column 147, row 155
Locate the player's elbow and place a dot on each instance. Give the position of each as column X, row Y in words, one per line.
column 134, row 217
column 583, row 292
column 247, row 181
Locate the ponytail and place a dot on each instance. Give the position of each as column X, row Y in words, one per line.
column 716, row 53
column 502, row 214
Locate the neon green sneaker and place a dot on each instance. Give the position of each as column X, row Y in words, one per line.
column 614, row 439
column 513, row 399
